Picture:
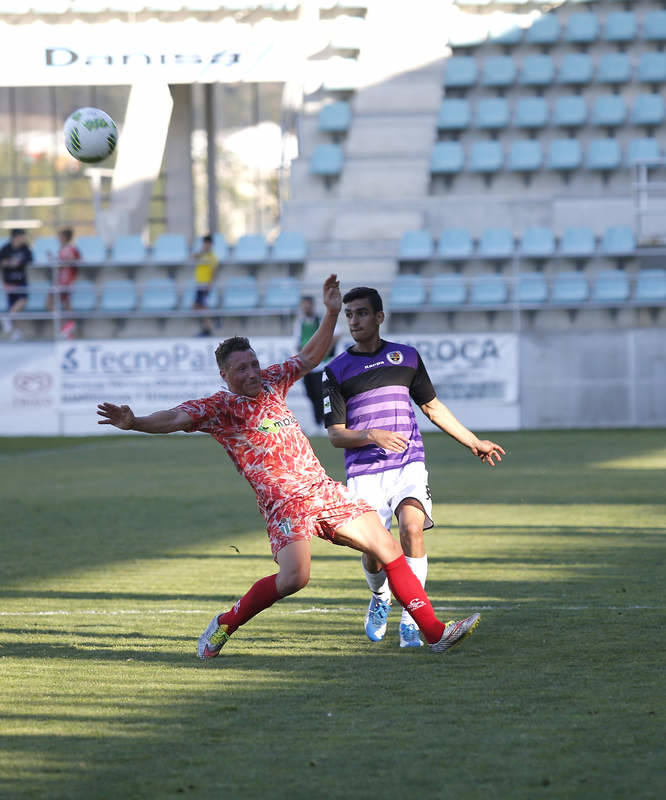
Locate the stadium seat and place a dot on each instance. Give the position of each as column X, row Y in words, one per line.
column 621, row 27
column 189, row 294
column 327, row 160
column 544, row 31
column 576, row 69
column 650, row 286
column 118, row 297
column 3, row 299
column 448, row 158
column 335, row 118
column 128, row 250
column 486, row 157
column 578, row 242
column 220, row 247
column 652, row 68
column 643, row 151
column 159, row 294
column 289, row 247
column 531, row 113
column 618, row 241
column 531, row 289
column 537, row 243
column 564, row 155
column 240, row 294
column 251, row 248
column 460, row 72
column 537, row 70
column 416, row 246
column 608, row 111
column 570, row 112
column 45, row 250
column 504, row 31
column 654, row 26
column 169, row 248
column 92, row 249
column 582, row 28
column 447, row 291
column 467, row 36
column 488, row 290
column 525, row 155
column 407, row 292
column 648, row 110
column 610, row 286
column 492, row 113
column 570, row 288
column 38, row 292
column 614, row 68
column 603, row 155
column 282, row 294
column 496, row 244
column 498, row 72
column 455, row 244
column 83, row 296
column 454, row 115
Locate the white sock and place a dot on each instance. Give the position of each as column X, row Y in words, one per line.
column 6, row 324
column 419, row 567
column 378, row 583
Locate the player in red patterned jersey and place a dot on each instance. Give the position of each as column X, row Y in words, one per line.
column 294, row 494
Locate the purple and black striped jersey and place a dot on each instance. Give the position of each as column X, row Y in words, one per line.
column 373, row 390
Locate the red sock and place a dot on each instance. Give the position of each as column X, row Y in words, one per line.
column 260, row 596
column 411, row 595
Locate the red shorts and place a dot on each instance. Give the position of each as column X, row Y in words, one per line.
column 330, row 506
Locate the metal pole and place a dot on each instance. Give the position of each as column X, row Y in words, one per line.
column 211, row 156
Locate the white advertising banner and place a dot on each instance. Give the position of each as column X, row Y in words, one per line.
column 47, row 389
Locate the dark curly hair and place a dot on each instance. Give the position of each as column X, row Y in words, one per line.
column 236, row 344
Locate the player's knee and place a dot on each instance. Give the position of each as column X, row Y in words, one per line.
column 411, row 534
column 295, row 579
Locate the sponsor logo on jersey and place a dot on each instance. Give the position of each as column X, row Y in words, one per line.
column 327, row 405
column 274, row 425
column 375, row 364
column 395, row 357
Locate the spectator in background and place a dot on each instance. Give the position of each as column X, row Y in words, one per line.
column 68, row 255
column 14, row 258
column 205, row 267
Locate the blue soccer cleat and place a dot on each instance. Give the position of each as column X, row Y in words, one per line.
column 375, row 619
column 409, row 635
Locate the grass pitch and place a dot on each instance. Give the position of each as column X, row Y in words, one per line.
column 116, row 552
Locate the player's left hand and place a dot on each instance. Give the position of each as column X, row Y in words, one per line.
column 332, row 296
column 487, row 451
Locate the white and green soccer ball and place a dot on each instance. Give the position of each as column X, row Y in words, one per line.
column 90, row 135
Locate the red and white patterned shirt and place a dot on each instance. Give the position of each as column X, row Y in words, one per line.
column 263, row 438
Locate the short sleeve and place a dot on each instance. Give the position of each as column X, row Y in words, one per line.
column 421, row 389
column 283, row 376
column 335, row 406
column 207, row 412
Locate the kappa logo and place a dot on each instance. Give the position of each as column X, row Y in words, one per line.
column 414, row 604
column 395, row 357
column 237, row 606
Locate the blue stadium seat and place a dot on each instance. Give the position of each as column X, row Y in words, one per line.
column 128, row 250
column 454, row 115
column 240, row 294
column 618, row 241
column 220, row 247
column 448, row 158
column 335, row 118
column 650, row 286
column 648, row 110
column 169, row 248
column 531, row 113
column 582, row 28
column 564, row 155
column 118, row 297
column 603, row 155
column 570, row 112
column 652, row 68
column 544, row 31
column 654, row 26
column 537, row 243
column 251, row 248
column 531, row 289
column 525, row 155
column 504, row 32
column 416, row 246
column 537, row 70
column 455, row 244
column 460, row 72
column 570, row 288
column 327, row 160
column 644, row 151
column 496, row 244
column 38, row 292
column 576, row 69
column 45, row 250
column 498, row 71
column 486, row 157
column 608, row 111
column 620, row 27
column 492, row 113
column 83, row 296
column 610, row 286
column 159, row 294
column 578, row 242
column 92, row 249
column 488, row 290
column 407, row 292
column 282, row 294
column 447, row 291
column 614, row 68
column 290, row 247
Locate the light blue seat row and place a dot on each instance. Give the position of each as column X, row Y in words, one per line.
column 327, row 160
column 335, row 118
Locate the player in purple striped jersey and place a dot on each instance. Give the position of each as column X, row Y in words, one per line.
column 368, row 411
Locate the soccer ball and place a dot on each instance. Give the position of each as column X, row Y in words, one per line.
column 90, row 135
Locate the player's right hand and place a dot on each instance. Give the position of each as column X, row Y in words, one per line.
column 119, row 416
column 388, row 440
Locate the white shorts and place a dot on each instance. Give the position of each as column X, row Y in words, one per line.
column 386, row 490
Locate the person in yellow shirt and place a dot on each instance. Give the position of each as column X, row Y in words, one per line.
column 205, row 267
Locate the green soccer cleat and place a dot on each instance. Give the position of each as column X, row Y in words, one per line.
column 455, row 632
column 213, row 639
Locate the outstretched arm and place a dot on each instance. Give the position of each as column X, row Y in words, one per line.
column 440, row 415
column 320, row 343
column 167, row 421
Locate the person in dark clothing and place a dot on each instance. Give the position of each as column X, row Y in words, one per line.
column 14, row 258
